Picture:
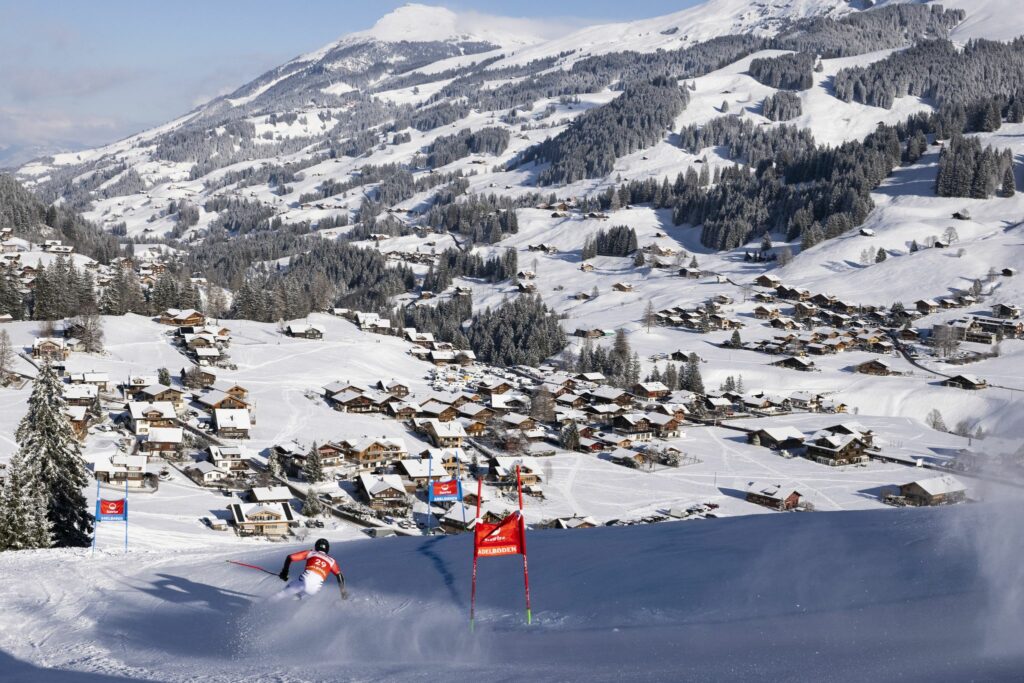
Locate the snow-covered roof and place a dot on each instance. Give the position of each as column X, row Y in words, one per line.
column 269, row 494
column 941, row 485
column 165, row 435
column 138, row 409
column 232, row 418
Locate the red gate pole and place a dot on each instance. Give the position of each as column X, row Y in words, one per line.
column 472, row 595
column 522, row 540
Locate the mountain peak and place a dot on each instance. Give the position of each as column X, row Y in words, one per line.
column 415, row 22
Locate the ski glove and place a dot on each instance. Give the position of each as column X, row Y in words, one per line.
column 283, row 575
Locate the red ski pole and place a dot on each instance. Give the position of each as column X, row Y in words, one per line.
column 251, row 566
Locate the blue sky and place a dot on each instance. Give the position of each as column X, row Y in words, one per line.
column 76, row 73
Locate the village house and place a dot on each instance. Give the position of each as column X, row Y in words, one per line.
column 941, row 490
column 875, row 367
column 445, row 434
column 636, row 425
column 831, row 448
column 777, row 438
column 218, row 400
column 118, row 469
column 965, row 382
column 419, row 472
column 442, row 412
column 205, row 473
column 100, row 380
column 236, row 390
column 231, row 459
column 926, row 306
column 767, row 280
column 372, row 452
column 622, row 287
column 78, row 418
column 270, row 494
column 795, row 363
column 306, row 331
column 775, row 496
column 1006, row 311
column 393, row 388
column 503, row 470
column 182, row 318
column 50, row 349
column 627, row 457
column 232, row 423
column 158, row 392
column 650, row 390
column 262, row 519
column 664, row 426
column 383, row 493
column 161, row 442
column 83, row 395
column 144, row 416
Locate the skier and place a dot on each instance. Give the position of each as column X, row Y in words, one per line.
column 318, row 565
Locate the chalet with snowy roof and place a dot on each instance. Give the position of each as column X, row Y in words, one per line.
column 231, row 459
column 262, row 519
column 78, row 418
column 306, row 331
column 182, row 318
column 517, row 421
column 795, row 363
column 767, row 280
column 270, row 494
column 926, row 306
column 80, row 394
column 650, row 390
column 503, row 470
column 353, row 401
column 875, row 367
column 144, row 416
column 383, row 492
column 50, row 349
column 205, row 473
column 574, row 522
column 941, row 490
column 159, row 392
column 436, row 410
column 832, row 448
column 965, row 382
column 775, row 496
column 445, row 434
column 403, row 410
column 393, row 388
column 777, row 438
column 120, row 468
column 232, row 423
column 637, row 425
column 219, row 400
column 1007, row 311
column 419, row 472
column 503, row 403
column 372, row 452
column 161, row 441
column 627, row 457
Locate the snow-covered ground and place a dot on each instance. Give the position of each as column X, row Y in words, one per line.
column 923, row 594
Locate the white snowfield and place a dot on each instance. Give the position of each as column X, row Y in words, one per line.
column 926, row 594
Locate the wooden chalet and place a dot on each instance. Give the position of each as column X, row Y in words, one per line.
column 775, row 496
column 262, row 519
column 941, row 490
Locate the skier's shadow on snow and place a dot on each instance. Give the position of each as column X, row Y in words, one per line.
column 178, row 589
column 440, row 565
column 190, row 617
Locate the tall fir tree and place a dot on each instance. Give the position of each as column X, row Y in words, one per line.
column 313, row 470
column 48, row 446
column 23, row 521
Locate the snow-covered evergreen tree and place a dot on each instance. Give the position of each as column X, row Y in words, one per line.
column 313, row 470
column 48, row 447
column 23, row 520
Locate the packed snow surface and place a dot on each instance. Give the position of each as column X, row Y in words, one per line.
column 837, row 597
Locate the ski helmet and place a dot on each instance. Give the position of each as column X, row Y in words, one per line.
column 322, row 545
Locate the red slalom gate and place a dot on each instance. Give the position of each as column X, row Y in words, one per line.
column 507, row 537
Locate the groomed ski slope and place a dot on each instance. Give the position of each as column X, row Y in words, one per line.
column 916, row 594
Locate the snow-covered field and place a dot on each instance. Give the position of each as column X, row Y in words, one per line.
column 931, row 594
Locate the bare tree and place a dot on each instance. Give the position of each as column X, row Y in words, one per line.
column 649, row 316
column 91, row 332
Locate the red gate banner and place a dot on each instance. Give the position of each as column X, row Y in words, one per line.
column 504, row 538
column 111, row 510
column 444, row 491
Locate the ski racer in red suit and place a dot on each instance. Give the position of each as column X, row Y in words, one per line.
column 319, row 565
